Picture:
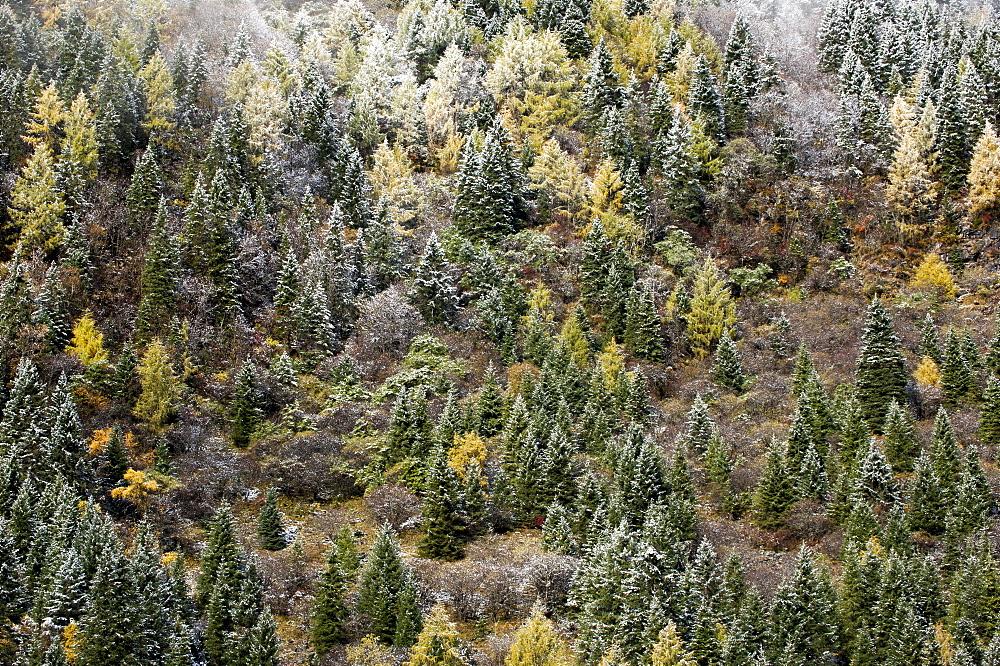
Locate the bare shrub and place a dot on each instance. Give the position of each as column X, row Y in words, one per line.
column 550, row 578
column 808, row 521
column 386, row 325
column 393, row 504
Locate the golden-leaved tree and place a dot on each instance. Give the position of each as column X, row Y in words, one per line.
column 912, row 188
column 36, row 203
column 934, row 277
column 536, row 643
column 437, row 644
column 984, row 174
column 78, row 152
column 161, row 101
column 712, row 312
column 160, row 388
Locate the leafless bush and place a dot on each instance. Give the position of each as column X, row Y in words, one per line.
column 549, row 578
column 289, row 580
column 808, row 521
column 302, row 466
column 385, row 327
column 393, row 504
column 495, row 649
column 477, row 590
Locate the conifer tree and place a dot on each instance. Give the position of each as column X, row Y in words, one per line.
column 974, row 501
column 774, row 494
column 489, row 410
column 984, row 175
column 677, row 162
column 244, row 409
column 346, row 552
column 642, row 325
column 50, row 309
column 812, row 480
column 162, row 462
column 900, row 438
column 557, row 533
column 602, row 89
column 386, row 592
column 669, row 649
column 536, row 643
column 161, row 102
column 36, row 203
column 881, row 373
column 957, row 378
column 989, row 417
column 160, row 276
column 953, row 142
column 802, row 370
column 330, row 612
column 699, row 427
column 443, row 519
column 929, row 346
column 160, row 388
column 912, row 189
column 78, row 153
column 489, row 202
column 727, row 371
column 805, row 627
column 145, row 192
column 597, row 254
column 434, row 292
column 928, row 503
column 270, row 526
column 874, row 480
column 944, row 450
column 712, row 310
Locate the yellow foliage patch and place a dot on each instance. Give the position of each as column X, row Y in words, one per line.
column 468, row 448
column 933, row 276
column 927, row 372
column 71, row 640
column 99, row 441
column 88, row 342
column 140, row 486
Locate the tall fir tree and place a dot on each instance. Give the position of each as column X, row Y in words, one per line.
column 642, row 325
column 244, row 409
column 330, row 612
column 434, row 292
column 387, row 594
column 727, row 370
column 880, row 371
column 160, row 278
column 270, row 526
column 442, row 510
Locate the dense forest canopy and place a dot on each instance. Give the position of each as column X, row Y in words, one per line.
column 499, row 333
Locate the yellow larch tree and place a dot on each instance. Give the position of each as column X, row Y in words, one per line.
column 392, row 178
column 536, row 643
column 46, row 118
column 669, row 649
column 933, row 276
column 559, row 182
column 160, row 388
column 36, row 203
column 712, row 312
column 88, row 342
column 606, row 191
column 78, row 154
column 437, row 644
column 912, row 188
column 160, row 99
column 984, row 174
